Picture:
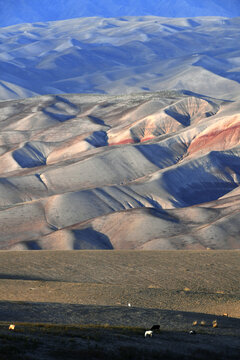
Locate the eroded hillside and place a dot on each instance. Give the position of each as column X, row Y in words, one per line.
column 145, row 171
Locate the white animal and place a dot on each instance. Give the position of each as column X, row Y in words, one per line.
column 11, row 327
column 148, row 333
column 129, row 305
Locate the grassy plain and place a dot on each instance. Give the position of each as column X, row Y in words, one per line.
column 68, row 304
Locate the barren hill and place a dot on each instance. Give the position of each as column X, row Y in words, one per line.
column 121, row 56
column 14, row 12
column 145, row 171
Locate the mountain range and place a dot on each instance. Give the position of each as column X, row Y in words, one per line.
column 120, row 56
column 120, row 133
column 24, row 11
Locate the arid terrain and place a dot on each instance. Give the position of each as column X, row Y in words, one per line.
column 141, row 171
column 86, row 295
column 191, row 281
column 119, row 179
column 134, row 143
column 25, row 12
column 122, row 55
column 120, row 134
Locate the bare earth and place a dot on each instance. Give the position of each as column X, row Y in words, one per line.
column 170, row 288
column 155, row 171
column 197, row 281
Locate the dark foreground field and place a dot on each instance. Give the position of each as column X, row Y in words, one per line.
column 47, row 341
column 71, row 305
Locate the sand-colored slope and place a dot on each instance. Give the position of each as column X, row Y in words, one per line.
column 213, row 226
column 166, row 189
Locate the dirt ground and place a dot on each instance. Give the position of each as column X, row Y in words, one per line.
column 170, row 288
column 191, row 281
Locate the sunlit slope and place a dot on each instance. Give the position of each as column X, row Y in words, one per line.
column 121, row 55
column 144, row 171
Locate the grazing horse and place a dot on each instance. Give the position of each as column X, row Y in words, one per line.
column 155, row 327
column 148, row 333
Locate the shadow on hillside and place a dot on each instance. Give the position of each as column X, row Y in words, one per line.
column 29, row 156
column 90, row 239
column 185, row 120
column 57, row 116
column 222, row 69
column 24, row 277
column 114, row 316
column 160, row 156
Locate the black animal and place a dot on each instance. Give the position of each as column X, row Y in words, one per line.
column 192, row 332
column 155, row 327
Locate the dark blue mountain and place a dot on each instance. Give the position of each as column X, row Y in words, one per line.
column 22, row 11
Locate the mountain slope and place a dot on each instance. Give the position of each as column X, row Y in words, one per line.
column 119, row 56
column 142, row 171
column 14, row 12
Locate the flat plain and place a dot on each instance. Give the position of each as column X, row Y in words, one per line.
column 83, row 296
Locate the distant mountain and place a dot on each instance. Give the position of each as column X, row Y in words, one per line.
column 22, row 11
column 121, row 56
